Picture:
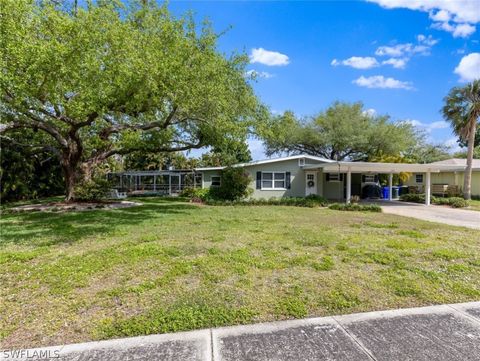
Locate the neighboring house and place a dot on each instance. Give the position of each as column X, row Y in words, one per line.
column 302, row 175
column 451, row 177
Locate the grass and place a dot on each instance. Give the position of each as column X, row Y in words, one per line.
column 169, row 265
column 474, row 204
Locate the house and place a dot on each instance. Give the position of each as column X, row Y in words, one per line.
column 302, row 175
column 452, row 177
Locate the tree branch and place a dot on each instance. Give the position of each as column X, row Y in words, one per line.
column 105, row 133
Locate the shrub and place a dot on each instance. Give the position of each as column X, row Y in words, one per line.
column 234, row 185
column 93, row 189
column 454, row 202
column 355, row 207
column 413, row 197
column 197, row 194
column 310, row 201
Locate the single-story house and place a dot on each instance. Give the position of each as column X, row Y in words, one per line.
column 451, row 177
column 302, row 175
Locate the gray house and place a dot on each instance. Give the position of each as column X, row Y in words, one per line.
column 302, row 175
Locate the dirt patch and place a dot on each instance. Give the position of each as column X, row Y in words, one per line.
column 74, row 206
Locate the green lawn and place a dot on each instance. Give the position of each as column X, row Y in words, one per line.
column 170, row 266
column 474, row 204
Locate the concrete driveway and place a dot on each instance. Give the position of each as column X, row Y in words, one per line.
column 439, row 214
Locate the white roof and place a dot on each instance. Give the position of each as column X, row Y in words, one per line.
column 461, row 162
column 272, row 160
column 372, row 167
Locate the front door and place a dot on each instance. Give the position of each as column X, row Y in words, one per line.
column 310, row 183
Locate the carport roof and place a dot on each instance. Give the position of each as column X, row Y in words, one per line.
column 372, row 167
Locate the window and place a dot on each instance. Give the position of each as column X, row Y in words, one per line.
column 419, row 178
column 301, row 162
column 273, row 180
column 215, row 181
column 369, row 178
column 334, row 177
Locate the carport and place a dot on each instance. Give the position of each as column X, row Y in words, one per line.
column 348, row 168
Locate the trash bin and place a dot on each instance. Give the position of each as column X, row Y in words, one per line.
column 385, row 192
column 395, row 192
column 403, row 190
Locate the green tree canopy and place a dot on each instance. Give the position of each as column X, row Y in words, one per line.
column 108, row 80
column 343, row 131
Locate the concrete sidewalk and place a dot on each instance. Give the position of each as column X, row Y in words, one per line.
column 445, row 332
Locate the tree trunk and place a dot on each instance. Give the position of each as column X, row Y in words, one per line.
column 70, row 164
column 70, row 182
column 467, row 178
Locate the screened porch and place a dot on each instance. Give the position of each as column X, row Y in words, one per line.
column 161, row 182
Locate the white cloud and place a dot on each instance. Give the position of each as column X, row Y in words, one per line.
column 408, row 49
column 396, row 63
column 370, row 112
column 457, row 30
column 461, row 13
column 257, row 150
column 453, row 145
column 379, row 81
column 427, row 40
column 440, row 15
column 458, row 10
column 428, row 127
column 259, row 74
column 423, row 46
column 395, row 51
column 267, row 57
column 469, row 67
column 357, row 62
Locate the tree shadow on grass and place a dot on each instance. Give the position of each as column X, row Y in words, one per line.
column 49, row 228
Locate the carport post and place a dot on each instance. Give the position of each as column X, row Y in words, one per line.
column 427, row 188
column 349, row 185
column 390, row 182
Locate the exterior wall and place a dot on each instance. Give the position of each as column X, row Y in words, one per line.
column 475, row 182
column 297, row 178
column 332, row 190
column 207, row 177
column 452, row 178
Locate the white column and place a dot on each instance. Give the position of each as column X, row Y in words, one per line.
column 154, row 183
column 390, row 189
column 427, row 189
column 349, row 185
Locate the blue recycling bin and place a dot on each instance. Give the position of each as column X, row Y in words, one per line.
column 385, row 192
column 395, row 192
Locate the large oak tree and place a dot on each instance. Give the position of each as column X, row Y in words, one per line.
column 344, row 131
column 109, row 79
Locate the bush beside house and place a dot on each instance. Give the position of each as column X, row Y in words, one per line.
column 454, row 202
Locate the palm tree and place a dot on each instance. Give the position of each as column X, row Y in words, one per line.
column 462, row 109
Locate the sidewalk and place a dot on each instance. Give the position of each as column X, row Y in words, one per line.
column 445, row 332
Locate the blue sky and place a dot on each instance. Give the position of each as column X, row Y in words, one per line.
column 399, row 57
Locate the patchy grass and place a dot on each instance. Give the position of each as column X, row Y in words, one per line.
column 170, row 266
